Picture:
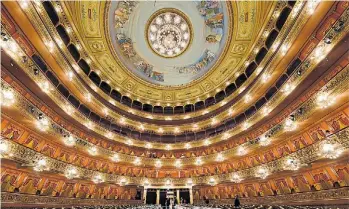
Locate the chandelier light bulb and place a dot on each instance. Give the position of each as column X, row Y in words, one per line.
column 7, row 98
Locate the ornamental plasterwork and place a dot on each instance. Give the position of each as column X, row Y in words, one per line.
column 152, row 93
column 16, row 198
column 218, row 138
column 308, row 71
column 308, row 107
column 305, row 156
column 330, row 194
column 70, row 7
column 80, row 86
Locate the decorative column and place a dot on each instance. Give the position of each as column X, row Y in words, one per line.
column 158, row 196
column 145, row 195
column 178, row 199
column 191, row 196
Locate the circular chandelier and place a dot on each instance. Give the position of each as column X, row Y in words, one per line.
column 169, row 33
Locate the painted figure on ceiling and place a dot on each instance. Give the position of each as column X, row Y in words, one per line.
column 215, row 21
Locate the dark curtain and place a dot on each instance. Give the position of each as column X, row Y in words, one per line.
column 185, row 195
column 151, row 197
column 162, row 197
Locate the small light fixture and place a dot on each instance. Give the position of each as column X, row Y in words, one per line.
column 149, row 146
column 89, row 125
column 122, row 121
column 109, row 134
column 214, row 121
column 137, row 161
column 245, row 126
column 178, row 163
column 187, row 146
column 330, row 150
column 264, row 141
column 45, row 86
column 284, row 49
column 248, row 98
column 290, row 125
column 7, row 97
column 262, row 173
column 4, row 148
column 146, row 183
column 158, row 164
column 226, row 136
column 291, row 164
column 115, row 158
column 176, row 130
column 130, row 142
column 212, row 181
column 241, row 150
column 219, row 157
column 42, row 124
column 266, row 111
column 265, row 77
column 168, row 147
column 123, row 181
column 168, row 182
column 288, row 88
column 69, row 109
column 93, row 151
column 69, row 141
column 207, row 142
column 97, row 179
column 324, row 101
column 88, row 97
column 198, row 161
column 71, row 173
column 190, row 182
column 236, row 178
column 41, row 165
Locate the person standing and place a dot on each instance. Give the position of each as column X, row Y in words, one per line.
column 237, row 202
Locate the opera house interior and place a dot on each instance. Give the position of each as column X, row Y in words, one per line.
column 175, row 104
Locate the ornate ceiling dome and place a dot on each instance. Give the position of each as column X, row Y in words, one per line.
column 169, row 44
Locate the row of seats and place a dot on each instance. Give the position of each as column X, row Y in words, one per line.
column 231, row 206
column 197, row 206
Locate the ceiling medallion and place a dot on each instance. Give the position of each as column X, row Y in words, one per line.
column 169, row 33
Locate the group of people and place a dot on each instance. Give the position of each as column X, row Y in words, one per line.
column 171, row 202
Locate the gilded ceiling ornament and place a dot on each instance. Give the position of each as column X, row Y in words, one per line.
column 169, row 33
